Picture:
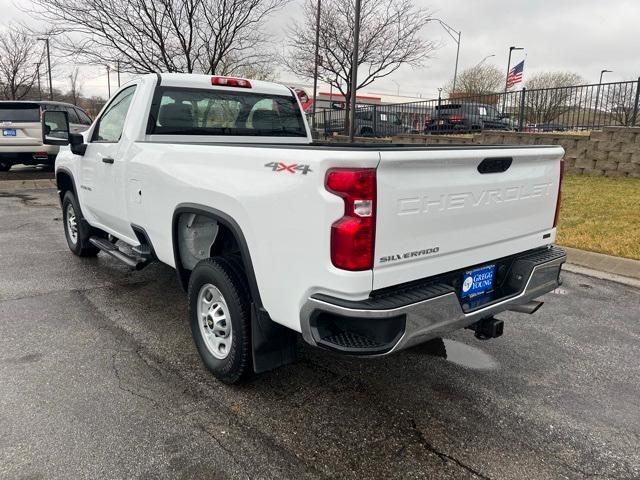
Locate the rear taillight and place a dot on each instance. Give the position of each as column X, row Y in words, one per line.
column 456, row 118
column 557, row 216
column 353, row 235
column 230, row 82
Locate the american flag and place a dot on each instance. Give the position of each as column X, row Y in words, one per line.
column 515, row 75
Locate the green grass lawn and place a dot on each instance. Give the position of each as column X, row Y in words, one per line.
column 601, row 214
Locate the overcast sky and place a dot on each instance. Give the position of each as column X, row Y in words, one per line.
column 582, row 36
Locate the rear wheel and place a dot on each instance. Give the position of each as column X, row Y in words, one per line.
column 75, row 229
column 220, row 317
column 5, row 166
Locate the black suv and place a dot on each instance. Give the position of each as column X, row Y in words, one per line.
column 465, row 117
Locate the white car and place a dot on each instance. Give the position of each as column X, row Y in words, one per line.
column 362, row 249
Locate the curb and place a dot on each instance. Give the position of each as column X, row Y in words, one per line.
column 623, row 267
column 41, row 183
column 607, row 267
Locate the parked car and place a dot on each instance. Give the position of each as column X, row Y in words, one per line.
column 464, row 118
column 21, row 139
column 545, row 127
column 370, row 122
column 363, row 249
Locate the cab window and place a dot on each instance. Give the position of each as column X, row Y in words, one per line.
column 111, row 123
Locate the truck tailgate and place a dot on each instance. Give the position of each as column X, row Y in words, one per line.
column 437, row 212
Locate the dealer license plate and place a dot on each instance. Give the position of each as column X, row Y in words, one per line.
column 8, row 132
column 478, row 281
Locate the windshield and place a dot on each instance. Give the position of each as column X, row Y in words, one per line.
column 392, row 118
column 213, row 112
column 16, row 112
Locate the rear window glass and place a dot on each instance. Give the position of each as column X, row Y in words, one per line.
column 19, row 113
column 213, row 112
column 453, row 106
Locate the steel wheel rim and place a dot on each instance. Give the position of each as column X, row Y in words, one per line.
column 214, row 321
column 72, row 224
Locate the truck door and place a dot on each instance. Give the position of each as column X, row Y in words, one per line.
column 102, row 182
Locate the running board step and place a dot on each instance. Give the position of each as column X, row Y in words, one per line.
column 106, row 246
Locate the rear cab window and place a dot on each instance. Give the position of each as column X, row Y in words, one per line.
column 195, row 111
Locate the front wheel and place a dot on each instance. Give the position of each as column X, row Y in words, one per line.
column 220, row 317
column 75, row 229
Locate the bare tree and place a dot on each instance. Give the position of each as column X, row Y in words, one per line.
column 389, row 38
column 158, row 35
column 478, row 80
column 618, row 101
column 550, row 95
column 74, row 86
column 17, row 63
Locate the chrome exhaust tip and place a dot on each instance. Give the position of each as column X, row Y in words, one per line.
column 529, row 307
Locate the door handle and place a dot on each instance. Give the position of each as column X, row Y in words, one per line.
column 107, row 160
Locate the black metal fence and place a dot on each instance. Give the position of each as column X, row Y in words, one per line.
column 582, row 107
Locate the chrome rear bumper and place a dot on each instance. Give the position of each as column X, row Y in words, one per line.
column 419, row 320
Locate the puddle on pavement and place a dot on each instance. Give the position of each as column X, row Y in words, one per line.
column 458, row 353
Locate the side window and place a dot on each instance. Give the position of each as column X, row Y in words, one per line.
column 73, row 117
column 482, row 111
column 83, row 117
column 111, row 123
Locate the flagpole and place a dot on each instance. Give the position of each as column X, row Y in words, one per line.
column 506, row 80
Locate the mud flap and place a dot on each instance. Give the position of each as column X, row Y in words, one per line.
column 273, row 344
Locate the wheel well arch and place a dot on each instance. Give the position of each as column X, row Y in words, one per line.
column 228, row 238
column 65, row 183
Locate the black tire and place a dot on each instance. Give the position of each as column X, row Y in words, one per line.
column 80, row 246
column 222, row 273
column 5, row 166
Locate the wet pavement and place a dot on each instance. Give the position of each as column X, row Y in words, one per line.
column 26, row 172
column 99, row 379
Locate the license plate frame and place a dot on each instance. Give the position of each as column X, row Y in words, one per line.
column 478, row 281
column 9, row 132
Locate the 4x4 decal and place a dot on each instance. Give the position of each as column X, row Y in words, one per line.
column 292, row 168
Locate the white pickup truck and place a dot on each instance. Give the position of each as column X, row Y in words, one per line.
column 363, row 249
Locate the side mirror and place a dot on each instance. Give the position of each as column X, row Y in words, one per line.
column 55, row 128
column 76, row 141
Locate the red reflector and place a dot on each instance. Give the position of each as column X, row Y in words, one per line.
column 557, row 215
column 456, row 118
column 230, row 82
column 353, row 235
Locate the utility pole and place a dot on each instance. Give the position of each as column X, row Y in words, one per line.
column 46, row 41
column 38, row 76
column 118, row 70
column 315, row 70
column 108, row 81
column 354, row 72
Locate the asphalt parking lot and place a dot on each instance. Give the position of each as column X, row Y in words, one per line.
column 99, row 379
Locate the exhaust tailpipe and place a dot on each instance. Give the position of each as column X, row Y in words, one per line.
column 530, row 307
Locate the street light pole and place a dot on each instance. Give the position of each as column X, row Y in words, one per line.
column 456, row 35
column 354, row 72
column 506, row 81
column 315, row 70
column 484, row 60
column 398, row 87
column 118, row 70
column 602, row 72
column 46, row 41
